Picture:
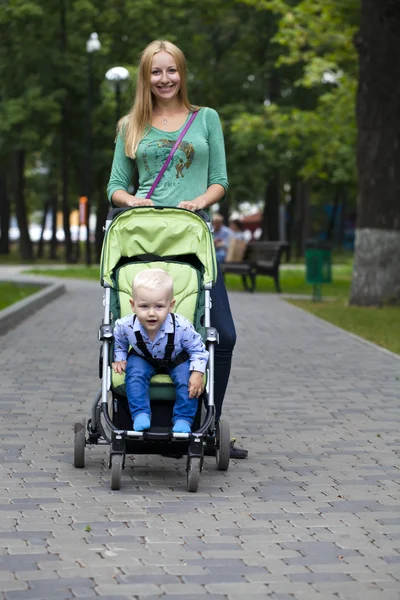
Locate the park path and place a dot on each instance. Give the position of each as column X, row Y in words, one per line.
column 313, row 513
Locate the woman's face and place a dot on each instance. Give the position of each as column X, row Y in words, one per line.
column 165, row 81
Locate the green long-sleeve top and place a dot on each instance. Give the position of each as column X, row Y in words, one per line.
column 198, row 162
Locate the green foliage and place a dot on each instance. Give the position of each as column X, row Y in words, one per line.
column 319, row 33
column 311, row 132
column 259, row 63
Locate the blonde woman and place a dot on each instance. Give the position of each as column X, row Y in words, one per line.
column 195, row 179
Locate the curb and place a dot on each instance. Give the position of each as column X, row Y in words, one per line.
column 12, row 316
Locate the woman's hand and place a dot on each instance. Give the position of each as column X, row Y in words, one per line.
column 196, row 204
column 140, row 202
column 122, row 199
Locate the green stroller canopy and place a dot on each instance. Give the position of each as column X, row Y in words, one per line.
column 171, row 232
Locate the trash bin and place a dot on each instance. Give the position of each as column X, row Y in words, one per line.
column 318, row 256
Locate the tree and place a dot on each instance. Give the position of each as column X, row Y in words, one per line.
column 43, row 95
column 28, row 105
column 308, row 130
column 4, row 215
column 376, row 275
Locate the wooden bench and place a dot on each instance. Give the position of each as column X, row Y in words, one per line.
column 260, row 258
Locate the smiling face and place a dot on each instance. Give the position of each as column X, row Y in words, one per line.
column 152, row 307
column 165, row 81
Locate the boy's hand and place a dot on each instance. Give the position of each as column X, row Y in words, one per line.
column 119, row 366
column 196, row 385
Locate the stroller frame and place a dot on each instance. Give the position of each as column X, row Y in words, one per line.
column 207, row 434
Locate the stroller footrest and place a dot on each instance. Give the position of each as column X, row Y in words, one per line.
column 164, row 433
column 158, row 434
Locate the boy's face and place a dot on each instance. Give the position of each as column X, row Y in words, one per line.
column 151, row 308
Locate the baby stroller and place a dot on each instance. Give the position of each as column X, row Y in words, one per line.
column 180, row 242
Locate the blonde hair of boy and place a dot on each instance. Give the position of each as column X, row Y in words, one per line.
column 137, row 123
column 152, row 279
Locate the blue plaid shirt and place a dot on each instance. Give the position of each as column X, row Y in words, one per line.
column 186, row 338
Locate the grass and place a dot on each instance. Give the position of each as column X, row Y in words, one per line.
column 378, row 325
column 339, row 257
column 78, row 272
column 14, row 292
column 14, row 256
column 293, row 282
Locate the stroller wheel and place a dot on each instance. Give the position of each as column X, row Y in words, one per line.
column 116, row 471
column 79, row 443
column 223, row 445
column 193, row 474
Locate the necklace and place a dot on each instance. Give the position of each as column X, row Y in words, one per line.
column 165, row 118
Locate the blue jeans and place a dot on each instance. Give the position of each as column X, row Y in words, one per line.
column 220, row 254
column 138, row 374
column 221, row 318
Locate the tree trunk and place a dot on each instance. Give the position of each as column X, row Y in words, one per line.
column 332, row 220
column 64, row 146
column 302, row 216
column 306, row 214
column 270, row 226
column 290, row 206
column 376, row 274
column 64, row 188
column 224, row 210
column 298, row 219
column 41, row 240
column 4, row 216
column 25, row 243
column 54, row 208
column 342, row 223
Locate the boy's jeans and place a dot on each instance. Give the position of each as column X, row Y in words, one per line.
column 137, row 381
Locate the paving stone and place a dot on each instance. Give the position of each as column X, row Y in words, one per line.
column 37, row 595
column 128, row 590
column 183, row 589
column 312, row 514
column 237, row 588
column 157, row 579
column 186, row 597
column 208, row 578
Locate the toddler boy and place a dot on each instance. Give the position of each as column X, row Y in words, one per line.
column 158, row 338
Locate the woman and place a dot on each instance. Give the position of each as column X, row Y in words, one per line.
column 195, row 178
column 237, row 229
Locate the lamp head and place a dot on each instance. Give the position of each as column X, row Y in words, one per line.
column 93, row 43
column 117, row 74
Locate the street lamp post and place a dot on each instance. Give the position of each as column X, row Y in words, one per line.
column 117, row 78
column 92, row 45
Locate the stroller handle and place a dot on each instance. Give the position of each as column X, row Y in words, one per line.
column 114, row 212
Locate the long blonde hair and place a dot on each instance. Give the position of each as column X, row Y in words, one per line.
column 137, row 122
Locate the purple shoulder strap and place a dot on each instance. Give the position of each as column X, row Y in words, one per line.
column 176, row 145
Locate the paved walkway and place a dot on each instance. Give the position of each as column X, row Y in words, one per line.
column 314, row 513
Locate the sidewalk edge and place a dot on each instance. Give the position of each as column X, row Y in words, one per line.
column 12, row 316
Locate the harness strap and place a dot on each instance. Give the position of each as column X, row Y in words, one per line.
column 170, row 347
column 160, row 363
